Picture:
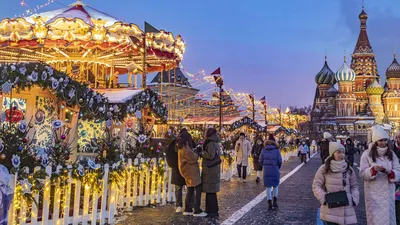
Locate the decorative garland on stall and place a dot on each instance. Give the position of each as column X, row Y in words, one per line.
column 247, row 121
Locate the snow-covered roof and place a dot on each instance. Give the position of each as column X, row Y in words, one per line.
column 119, row 95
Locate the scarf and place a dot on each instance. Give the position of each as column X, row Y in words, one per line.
column 338, row 166
column 381, row 151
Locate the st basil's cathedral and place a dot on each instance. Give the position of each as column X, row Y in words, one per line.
column 360, row 101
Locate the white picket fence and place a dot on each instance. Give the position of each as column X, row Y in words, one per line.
column 77, row 204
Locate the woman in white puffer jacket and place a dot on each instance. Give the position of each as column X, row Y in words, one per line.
column 379, row 168
column 336, row 175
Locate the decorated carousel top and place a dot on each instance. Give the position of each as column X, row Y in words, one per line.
column 81, row 33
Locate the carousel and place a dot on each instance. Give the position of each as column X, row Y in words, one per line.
column 93, row 49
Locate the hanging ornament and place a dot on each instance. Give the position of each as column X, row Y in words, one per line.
column 6, row 87
column 2, row 156
column 63, row 136
column 142, row 138
column 16, row 161
column 57, row 124
column 26, row 186
column 138, row 114
column 109, row 123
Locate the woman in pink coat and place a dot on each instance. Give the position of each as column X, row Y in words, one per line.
column 379, row 168
column 336, row 175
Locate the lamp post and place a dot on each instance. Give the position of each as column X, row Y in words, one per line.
column 220, row 82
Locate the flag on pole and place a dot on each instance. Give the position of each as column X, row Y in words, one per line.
column 251, row 97
column 149, row 28
column 217, row 77
column 263, row 101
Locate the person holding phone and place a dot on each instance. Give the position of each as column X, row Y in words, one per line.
column 243, row 151
column 380, row 169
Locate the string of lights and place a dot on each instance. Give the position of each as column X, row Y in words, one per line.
column 29, row 11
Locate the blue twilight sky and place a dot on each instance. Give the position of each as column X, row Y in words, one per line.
column 269, row 47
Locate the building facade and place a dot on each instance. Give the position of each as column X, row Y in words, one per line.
column 350, row 101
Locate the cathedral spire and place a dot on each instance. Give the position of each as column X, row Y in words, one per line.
column 363, row 45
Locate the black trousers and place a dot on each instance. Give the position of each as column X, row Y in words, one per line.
column 196, row 192
column 397, row 212
column 303, row 157
column 178, row 195
column 239, row 169
column 212, row 204
column 330, row 223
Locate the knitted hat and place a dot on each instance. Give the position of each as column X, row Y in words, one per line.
column 334, row 146
column 327, row 135
column 378, row 133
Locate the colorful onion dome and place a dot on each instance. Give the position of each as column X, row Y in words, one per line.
column 375, row 88
column 345, row 73
column 393, row 71
column 363, row 15
column 332, row 92
column 325, row 75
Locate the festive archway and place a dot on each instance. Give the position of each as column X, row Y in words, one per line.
column 247, row 121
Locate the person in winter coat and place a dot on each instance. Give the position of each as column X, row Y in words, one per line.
column 189, row 168
column 243, row 150
column 255, row 152
column 303, row 150
column 271, row 160
column 396, row 150
column 211, row 171
column 349, row 151
column 324, row 146
column 336, row 175
column 380, row 168
column 308, row 143
column 172, row 161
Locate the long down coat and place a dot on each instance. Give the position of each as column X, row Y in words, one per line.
column 271, row 160
column 211, row 176
column 243, row 151
column 172, row 161
column 379, row 191
column 188, row 166
column 333, row 182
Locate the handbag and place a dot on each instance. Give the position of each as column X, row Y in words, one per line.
column 214, row 162
column 339, row 198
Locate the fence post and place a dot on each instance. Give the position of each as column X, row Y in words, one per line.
column 128, row 199
column 153, row 192
column 103, row 210
column 46, row 196
column 135, row 188
column 86, row 203
column 35, row 210
column 147, row 193
column 57, row 200
column 77, row 218
column 67, row 199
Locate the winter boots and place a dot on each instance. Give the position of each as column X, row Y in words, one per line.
column 275, row 204
column 258, row 180
column 269, row 204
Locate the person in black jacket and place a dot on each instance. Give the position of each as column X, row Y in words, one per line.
column 172, row 160
column 324, row 146
column 349, row 151
column 308, row 143
column 255, row 153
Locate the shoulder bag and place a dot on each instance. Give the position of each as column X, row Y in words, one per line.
column 339, row 198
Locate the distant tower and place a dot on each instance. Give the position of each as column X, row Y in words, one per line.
column 324, row 79
column 345, row 100
column 391, row 97
column 364, row 65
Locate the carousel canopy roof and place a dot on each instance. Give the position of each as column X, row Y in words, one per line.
column 80, row 33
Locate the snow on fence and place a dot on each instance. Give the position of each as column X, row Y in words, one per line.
column 76, row 203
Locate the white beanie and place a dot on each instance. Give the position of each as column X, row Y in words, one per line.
column 378, row 133
column 327, row 135
column 334, row 146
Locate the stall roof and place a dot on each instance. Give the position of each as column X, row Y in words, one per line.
column 369, row 122
column 212, row 120
column 119, row 95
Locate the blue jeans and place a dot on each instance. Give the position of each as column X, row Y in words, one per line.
column 270, row 190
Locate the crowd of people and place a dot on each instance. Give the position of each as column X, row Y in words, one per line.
column 336, row 185
column 183, row 155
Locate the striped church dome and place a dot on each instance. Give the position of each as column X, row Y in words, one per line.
column 325, row 75
column 345, row 73
column 393, row 71
column 375, row 88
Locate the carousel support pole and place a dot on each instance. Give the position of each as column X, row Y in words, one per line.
column 135, row 81
column 144, row 62
column 95, row 74
column 161, row 84
column 169, row 93
column 130, row 79
column 175, row 102
column 87, row 71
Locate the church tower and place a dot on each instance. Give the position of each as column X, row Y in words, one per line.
column 391, row 97
column 374, row 92
column 324, row 79
column 345, row 100
column 364, row 65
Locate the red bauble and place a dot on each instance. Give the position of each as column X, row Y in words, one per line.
column 25, row 140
